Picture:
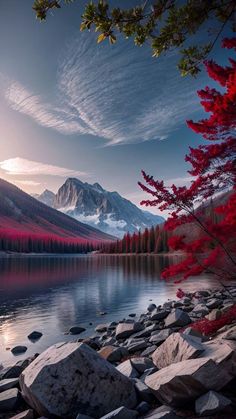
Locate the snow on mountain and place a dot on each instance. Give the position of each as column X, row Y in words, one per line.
column 107, row 211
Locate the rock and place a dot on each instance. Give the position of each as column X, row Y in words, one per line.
column 113, row 353
column 121, row 413
column 144, row 392
column 143, row 408
column 101, row 328
column 162, row 412
column 81, row 416
column 184, row 381
column 124, row 330
column 151, row 307
column 159, row 314
column 102, row 313
column 35, row 335
column 27, row 414
column 128, row 369
column 8, row 383
column 9, row 400
column 193, row 332
column 149, row 350
column 14, row 371
column 132, row 314
column 91, row 342
column 200, row 310
column 211, row 403
column 203, row 293
column 230, row 334
column 76, row 330
column 160, row 336
column 141, row 364
column 177, row 347
column 213, row 303
column 139, row 345
column 19, row 350
column 177, row 318
column 77, row 378
column 214, row 314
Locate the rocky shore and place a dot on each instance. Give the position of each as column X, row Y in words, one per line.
column 155, row 366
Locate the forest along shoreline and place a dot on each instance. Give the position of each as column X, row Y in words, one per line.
column 175, row 360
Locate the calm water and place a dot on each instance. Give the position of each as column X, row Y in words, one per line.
column 52, row 293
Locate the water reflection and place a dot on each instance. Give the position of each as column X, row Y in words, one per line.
column 52, row 293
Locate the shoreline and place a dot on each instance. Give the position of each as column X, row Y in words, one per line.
column 139, row 349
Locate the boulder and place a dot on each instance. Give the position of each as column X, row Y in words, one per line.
column 144, row 392
column 81, row 416
column 177, row 347
column 162, row 412
column 151, row 307
column 27, row 414
column 8, row 383
column 141, row 364
column 184, row 381
column 230, row 334
column 211, row 403
column 178, row 317
column 160, row 336
column 213, row 303
column 121, row 413
column 137, row 345
column 128, row 369
column 9, row 400
column 17, row 350
column 200, row 310
column 124, row 330
column 113, row 353
column 159, row 314
column 149, row 350
column 34, row 335
column 101, row 328
column 215, row 314
column 193, row 332
column 76, row 330
column 71, row 377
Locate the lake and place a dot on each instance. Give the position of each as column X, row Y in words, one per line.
column 52, row 293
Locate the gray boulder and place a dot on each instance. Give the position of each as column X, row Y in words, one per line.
column 34, row 335
column 160, row 336
column 128, row 369
column 178, row 317
column 121, row 413
column 185, row 381
column 149, row 350
column 9, row 400
column 213, row 303
column 124, row 330
column 177, row 347
column 141, row 364
column 71, row 377
column 211, row 403
column 151, row 307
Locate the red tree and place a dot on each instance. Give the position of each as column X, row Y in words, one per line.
column 208, row 242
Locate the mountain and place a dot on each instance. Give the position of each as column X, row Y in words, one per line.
column 21, row 213
column 47, row 197
column 107, row 211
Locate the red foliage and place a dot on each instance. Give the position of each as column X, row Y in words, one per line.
column 209, row 327
column 213, row 170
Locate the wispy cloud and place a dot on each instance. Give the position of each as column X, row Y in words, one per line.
column 28, row 182
column 117, row 93
column 19, row 166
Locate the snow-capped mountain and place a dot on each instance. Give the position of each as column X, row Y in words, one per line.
column 107, row 211
column 47, row 197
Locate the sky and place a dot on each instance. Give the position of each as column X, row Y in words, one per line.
column 101, row 113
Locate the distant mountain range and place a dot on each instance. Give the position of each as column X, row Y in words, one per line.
column 21, row 213
column 97, row 207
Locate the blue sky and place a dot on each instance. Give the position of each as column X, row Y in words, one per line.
column 70, row 107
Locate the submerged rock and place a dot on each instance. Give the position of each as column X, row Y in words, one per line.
column 19, row 350
column 35, row 335
column 71, row 377
column 76, row 330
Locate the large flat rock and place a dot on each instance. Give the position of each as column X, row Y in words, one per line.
column 70, row 378
column 126, row 329
column 184, row 381
column 177, row 347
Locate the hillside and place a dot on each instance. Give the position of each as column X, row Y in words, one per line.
column 21, row 213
